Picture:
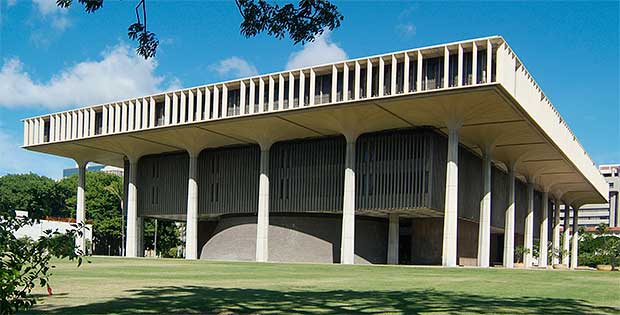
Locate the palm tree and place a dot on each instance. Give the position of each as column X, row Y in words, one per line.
column 116, row 189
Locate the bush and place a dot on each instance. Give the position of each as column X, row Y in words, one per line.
column 599, row 250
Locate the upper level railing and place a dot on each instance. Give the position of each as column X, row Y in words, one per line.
column 432, row 68
column 447, row 66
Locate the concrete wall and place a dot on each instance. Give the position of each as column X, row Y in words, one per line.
column 293, row 238
column 426, row 242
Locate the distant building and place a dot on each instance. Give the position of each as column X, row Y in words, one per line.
column 61, row 225
column 591, row 215
column 94, row 168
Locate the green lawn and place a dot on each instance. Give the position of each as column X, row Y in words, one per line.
column 124, row 286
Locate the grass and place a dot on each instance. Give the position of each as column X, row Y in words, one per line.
column 164, row 286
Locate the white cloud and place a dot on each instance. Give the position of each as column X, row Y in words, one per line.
column 235, row 67
column 322, row 50
column 118, row 75
column 57, row 15
column 15, row 160
column 406, row 29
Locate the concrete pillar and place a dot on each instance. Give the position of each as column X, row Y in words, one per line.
column 262, row 227
column 347, row 247
column 544, row 224
column 484, row 226
column 134, row 231
column 566, row 241
column 613, row 209
column 80, row 212
column 450, row 220
column 393, row 235
column 556, row 231
column 528, row 239
column 509, row 223
column 191, row 227
column 575, row 244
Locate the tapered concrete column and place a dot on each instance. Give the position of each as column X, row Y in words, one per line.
column 80, row 212
column 191, row 227
column 528, row 239
column 566, row 241
column 484, row 227
column 134, row 228
column 574, row 255
column 556, row 231
column 347, row 247
column 544, row 223
column 393, row 235
column 262, row 227
column 450, row 219
column 509, row 223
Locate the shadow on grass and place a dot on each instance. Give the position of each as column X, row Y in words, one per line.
column 208, row 300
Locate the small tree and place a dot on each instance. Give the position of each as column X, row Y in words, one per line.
column 25, row 263
column 610, row 248
column 520, row 253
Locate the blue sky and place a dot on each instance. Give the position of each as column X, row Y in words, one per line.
column 53, row 59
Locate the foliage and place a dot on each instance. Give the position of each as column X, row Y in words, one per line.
column 167, row 236
column 102, row 207
column 25, row 263
column 601, row 250
column 520, row 253
column 303, row 22
column 33, row 192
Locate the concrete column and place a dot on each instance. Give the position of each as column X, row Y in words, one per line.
column 345, row 83
column 528, row 239
column 312, row 87
column 459, row 71
column 544, row 223
column 262, row 227
column 334, row 87
column 224, row 102
column 484, row 226
column 191, row 110
column 406, row 74
column 566, row 241
column 134, row 230
column 270, row 96
column 613, row 211
column 509, row 223
column 261, row 95
column 347, row 247
column 368, row 78
column 450, row 220
column 474, row 64
column 80, row 212
column 356, row 81
column 302, row 88
column 419, row 72
column 191, row 227
column 393, row 235
column 446, row 84
column 291, row 90
column 575, row 245
column 556, row 231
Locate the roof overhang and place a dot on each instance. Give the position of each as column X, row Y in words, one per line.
column 490, row 117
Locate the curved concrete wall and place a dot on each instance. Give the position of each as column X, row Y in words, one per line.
column 293, row 238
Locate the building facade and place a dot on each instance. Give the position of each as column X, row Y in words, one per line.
column 449, row 154
column 591, row 215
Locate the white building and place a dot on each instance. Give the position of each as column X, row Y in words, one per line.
column 452, row 151
column 38, row 229
column 591, row 215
